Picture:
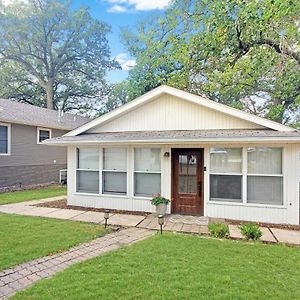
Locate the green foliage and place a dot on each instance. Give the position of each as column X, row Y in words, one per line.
column 241, row 53
column 251, row 231
column 159, row 199
column 53, row 56
column 218, row 230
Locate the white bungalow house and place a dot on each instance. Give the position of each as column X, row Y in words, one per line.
column 210, row 159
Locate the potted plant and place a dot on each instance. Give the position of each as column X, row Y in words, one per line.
column 160, row 204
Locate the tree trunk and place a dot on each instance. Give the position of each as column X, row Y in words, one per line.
column 50, row 94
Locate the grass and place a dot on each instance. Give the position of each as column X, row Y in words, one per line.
column 34, row 194
column 176, row 266
column 24, row 238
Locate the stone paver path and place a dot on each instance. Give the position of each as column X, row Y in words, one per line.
column 22, row 276
column 185, row 224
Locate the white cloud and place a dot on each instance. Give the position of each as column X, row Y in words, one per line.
column 126, row 63
column 141, row 5
column 117, row 9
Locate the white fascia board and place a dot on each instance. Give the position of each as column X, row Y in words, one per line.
column 185, row 96
column 293, row 140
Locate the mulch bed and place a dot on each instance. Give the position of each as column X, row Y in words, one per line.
column 63, row 204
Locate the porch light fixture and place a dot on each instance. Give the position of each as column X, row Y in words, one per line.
column 161, row 221
column 106, row 217
column 167, row 154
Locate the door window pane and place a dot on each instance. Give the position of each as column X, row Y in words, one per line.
column 115, row 159
column 88, row 158
column 226, row 188
column 187, row 173
column 3, row 139
column 147, row 159
column 264, row 160
column 225, row 160
column 265, row 190
column 88, row 182
column 146, row 184
column 114, row 183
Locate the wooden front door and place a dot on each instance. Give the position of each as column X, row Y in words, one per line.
column 187, row 181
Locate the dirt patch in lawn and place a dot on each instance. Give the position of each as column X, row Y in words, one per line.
column 63, row 204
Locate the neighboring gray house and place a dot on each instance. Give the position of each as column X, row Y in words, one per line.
column 24, row 160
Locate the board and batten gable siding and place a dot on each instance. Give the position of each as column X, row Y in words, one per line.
column 168, row 112
column 25, row 151
column 285, row 214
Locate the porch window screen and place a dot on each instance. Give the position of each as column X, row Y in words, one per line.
column 87, row 173
column 264, row 176
column 226, row 174
column 3, row 139
column 114, row 173
column 147, row 171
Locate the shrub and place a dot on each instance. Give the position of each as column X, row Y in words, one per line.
column 218, row 230
column 159, row 199
column 250, row 231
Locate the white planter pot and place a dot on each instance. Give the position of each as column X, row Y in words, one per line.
column 161, row 209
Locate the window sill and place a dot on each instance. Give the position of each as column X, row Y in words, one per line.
column 101, row 195
column 141, row 198
column 4, row 154
column 248, row 204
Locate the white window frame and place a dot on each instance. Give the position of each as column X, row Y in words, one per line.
column 223, row 200
column 265, row 175
column 8, row 139
column 38, row 134
column 143, row 172
column 77, row 149
column 101, row 168
column 244, row 178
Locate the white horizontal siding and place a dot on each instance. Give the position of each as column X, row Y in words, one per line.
column 287, row 214
column 172, row 113
column 129, row 202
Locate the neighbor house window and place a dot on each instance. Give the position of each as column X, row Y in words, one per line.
column 87, row 180
column 4, row 139
column 226, row 174
column 264, row 175
column 43, row 134
column 114, row 173
column 147, row 171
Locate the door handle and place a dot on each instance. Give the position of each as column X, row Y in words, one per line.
column 200, row 188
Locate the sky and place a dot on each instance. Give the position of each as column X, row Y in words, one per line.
column 121, row 13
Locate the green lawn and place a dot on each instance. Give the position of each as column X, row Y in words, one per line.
column 25, row 238
column 179, row 267
column 34, row 194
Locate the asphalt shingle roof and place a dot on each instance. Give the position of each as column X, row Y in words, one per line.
column 21, row 113
column 178, row 135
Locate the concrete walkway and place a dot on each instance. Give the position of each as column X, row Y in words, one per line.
column 22, row 276
column 29, row 209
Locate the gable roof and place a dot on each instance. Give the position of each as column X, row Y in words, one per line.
column 155, row 93
column 21, row 113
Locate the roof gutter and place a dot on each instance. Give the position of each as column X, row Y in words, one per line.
column 288, row 140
